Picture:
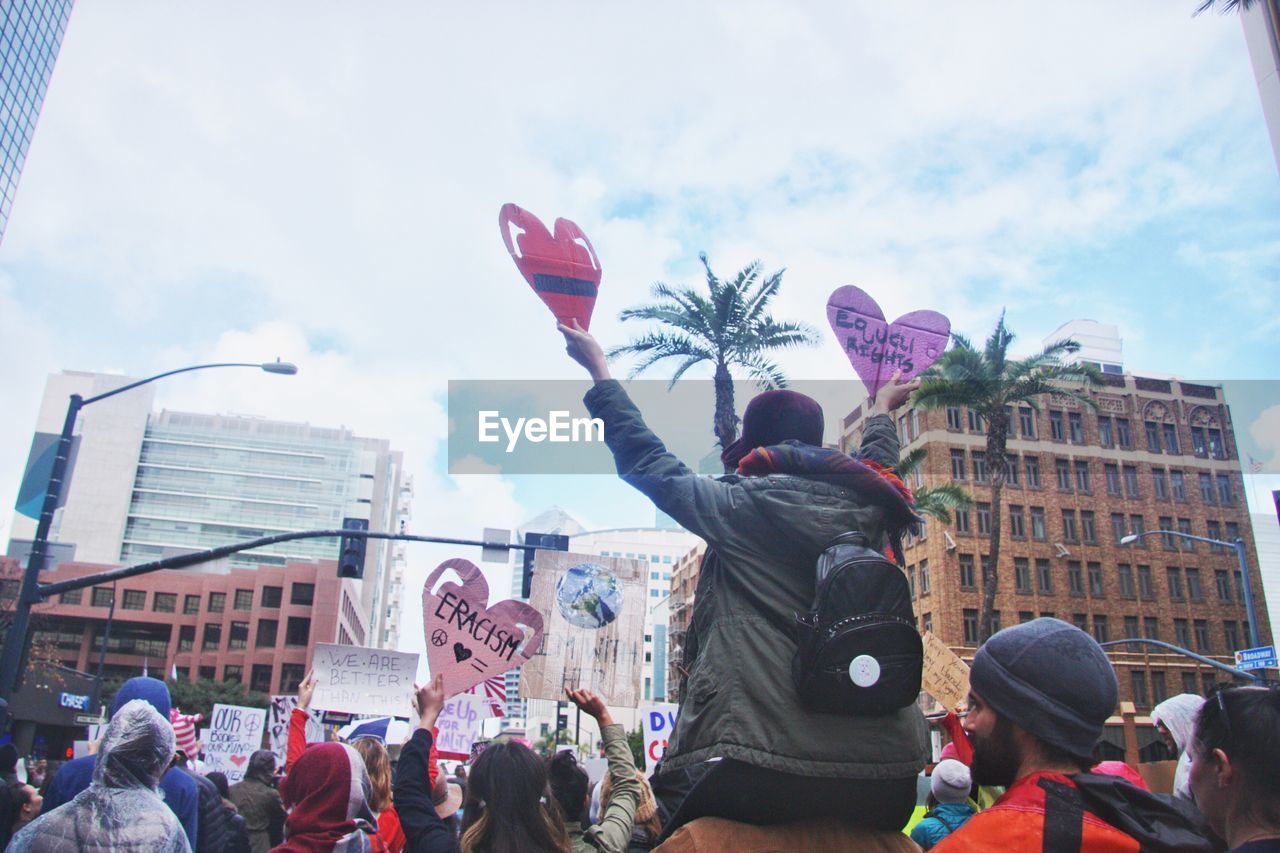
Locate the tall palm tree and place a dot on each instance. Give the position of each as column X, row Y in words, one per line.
column 933, row 501
column 989, row 382
column 1225, row 6
column 728, row 327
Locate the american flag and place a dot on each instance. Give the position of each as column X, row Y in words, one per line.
column 494, row 690
column 1255, row 467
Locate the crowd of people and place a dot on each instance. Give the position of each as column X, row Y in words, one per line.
column 749, row 766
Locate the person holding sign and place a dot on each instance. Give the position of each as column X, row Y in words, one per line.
column 424, row 830
column 765, row 528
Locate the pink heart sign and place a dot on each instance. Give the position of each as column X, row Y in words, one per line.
column 563, row 269
column 876, row 348
column 237, row 760
column 468, row 640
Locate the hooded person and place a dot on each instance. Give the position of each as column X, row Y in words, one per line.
column 177, row 788
column 258, row 802
column 327, row 794
column 765, row 527
column 1175, row 717
column 121, row 808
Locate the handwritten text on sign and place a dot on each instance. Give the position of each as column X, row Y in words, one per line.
column 372, row 682
column 946, row 675
column 658, row 721
column 235, row 732
column 877, row 348
column 459, row 725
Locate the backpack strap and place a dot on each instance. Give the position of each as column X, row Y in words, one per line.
column 1063, row 817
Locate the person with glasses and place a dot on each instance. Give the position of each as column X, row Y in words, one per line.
column 1235, row 767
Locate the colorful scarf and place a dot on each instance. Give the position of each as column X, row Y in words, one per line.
column 327, row 792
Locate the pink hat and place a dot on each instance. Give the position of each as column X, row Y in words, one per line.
column 950, row 751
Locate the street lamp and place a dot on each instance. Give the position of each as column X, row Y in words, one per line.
column 1245, row 583
column 16, row 640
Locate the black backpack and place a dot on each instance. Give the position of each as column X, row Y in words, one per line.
column 859, row 651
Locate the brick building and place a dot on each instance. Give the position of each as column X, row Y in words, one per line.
column 1155, row 454
column 257, row 627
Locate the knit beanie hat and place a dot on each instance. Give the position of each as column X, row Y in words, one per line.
column 772, row 418
column 1049, row 678
column 950, row 782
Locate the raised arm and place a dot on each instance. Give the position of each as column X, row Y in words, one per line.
column 424, row 829
column 880, row 441
column 617, row 819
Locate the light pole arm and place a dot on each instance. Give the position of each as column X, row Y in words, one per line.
column 149, row 379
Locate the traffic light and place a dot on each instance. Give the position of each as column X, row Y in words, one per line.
column 351, row 549
column 544, row 540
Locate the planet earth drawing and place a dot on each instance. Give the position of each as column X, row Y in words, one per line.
column 589, row 596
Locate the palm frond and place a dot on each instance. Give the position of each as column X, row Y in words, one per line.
column 910, row 461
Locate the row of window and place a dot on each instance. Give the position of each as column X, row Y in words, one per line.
column 291, row 675
column 167, row 602
column 1082, row 526
column 653, row 558
column 1160, row 689
column 1162, row 436
column 1193, row 634
column 297, row 632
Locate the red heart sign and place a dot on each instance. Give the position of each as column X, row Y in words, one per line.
column 237, row 760
column 469, row 641
column 563, row 269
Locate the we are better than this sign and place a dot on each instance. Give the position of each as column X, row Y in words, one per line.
column 367, row 682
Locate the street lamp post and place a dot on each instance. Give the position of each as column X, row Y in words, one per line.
column 1246, row 585
column 16, row 640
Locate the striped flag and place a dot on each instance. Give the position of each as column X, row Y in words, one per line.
column 184, row 730
column 495, row 692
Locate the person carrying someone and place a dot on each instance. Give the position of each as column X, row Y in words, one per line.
column 765, row 527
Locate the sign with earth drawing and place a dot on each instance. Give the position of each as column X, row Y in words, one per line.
column 593, row 611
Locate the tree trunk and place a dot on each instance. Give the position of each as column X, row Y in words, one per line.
column 726, row 419
column 997, row 437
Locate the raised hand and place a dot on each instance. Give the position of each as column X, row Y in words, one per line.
column 584, row 349
column 306, row 690
column 428, row 701
column 591, row 704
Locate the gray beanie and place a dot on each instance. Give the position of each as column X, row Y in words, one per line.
column 950, row 782
column 1050, row 679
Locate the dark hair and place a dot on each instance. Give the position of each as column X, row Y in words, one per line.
column 219, row 780
column 569, row 784
column 1244, row 722
column 507, row 808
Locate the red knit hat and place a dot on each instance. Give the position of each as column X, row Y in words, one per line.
column 772, row 418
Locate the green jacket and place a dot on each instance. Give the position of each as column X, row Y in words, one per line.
column 613, row 831
column 764, row 536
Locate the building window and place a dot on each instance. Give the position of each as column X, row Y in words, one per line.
column 1062, row 468
column 1106, row 437
column 1151, row 627
column 291, row 676
column 924, row 577
column 1126, row 580
column 966, row 572
column 217, row 602
column 1189, row 683
column 1222, row 580
column 186, row 637
column 1088, row 527
column 1039, row 531
column 1101, row 629
column 102, row 597
column 911, row 581
column 957, row 465
column 1022, row 574
column 1194, row 590
column 995, row 621
column 1202, row 635
column 1075, row 577
column 953, row 418
column 71, row 596
column 206, row 673
column 962, row 521
column 1081, row 621
column 1160, row 483
column 134, row 599
column 984, row 562
column 1153, row 436
column 927, row 621
column 970, row 627
column 1146, row 586
column 1169, row 540
column 1095, row 580
column 1118, row 530
column 1206, row 488
column 1124, row 437
column 1184, row 526
column 1174, row 576
column 164, row 602
column 1181, row 633
column 212, row 637
column 1069, row 526
column 238, row 637
column 1082, row 475
column 243, row 599
column 298, row 631
column 1017, row 522
column 1229, row 633
column 1159, row 692
column 1130, row 627
column 1138, row 680
column 1112, row 473
column 1224, row 490
column 1027, row 422
column 271, row 596
column 1138, row 526
column 190, row 604
column 304, row 593
column 1026, row 616
column 233, row 673
column 260, row 678
column 1076, row 427
column 1178, row 485
column 1044, row 576
column 1011, row 470
column 984, row 518
column 267, row 629
column 976, row 423
column 1055, row 426
column 1170, row 438
column 1131, row 481
column 1032, row 466
column 979, row 467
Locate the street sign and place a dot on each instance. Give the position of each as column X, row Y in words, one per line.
column 90, row 720
column 1262, row 657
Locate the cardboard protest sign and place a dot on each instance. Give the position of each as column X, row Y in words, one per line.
column 469, row 640
column 946, row 675
column 562, row 269
column 657, row 722
column 594, row 610
column 459, row 725
column 877, row 348
column 235, row 732
column 369, row 682
column 278, row 713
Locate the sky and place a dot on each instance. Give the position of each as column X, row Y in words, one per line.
column 321, row 183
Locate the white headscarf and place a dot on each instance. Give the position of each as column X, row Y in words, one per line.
column 1178, row 714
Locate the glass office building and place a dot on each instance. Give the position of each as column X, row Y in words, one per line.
column 30, row 35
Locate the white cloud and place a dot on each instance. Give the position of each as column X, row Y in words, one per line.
column 1265, row 430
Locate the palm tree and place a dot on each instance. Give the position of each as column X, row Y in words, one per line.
column 729, row 327
column 933, row 501
column 1225, row 6
column 988, row 382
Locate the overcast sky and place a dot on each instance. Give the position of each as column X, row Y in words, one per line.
column 321, row 182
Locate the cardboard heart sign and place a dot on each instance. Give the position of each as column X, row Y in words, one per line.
column 562, row 269
column 877, row 348
column 468, row 640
